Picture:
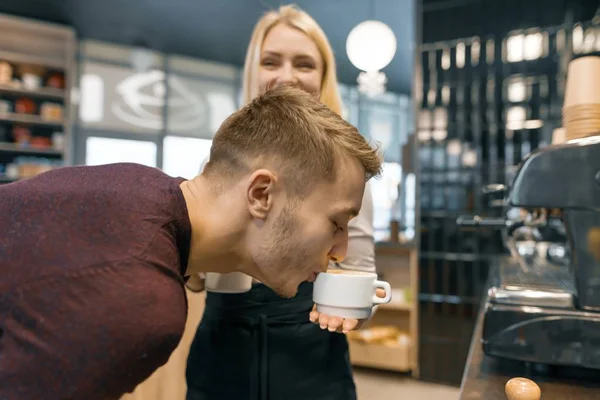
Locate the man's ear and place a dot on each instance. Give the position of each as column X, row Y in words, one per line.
column 260, row 193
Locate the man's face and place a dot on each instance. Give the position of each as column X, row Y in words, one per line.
column 300, row 237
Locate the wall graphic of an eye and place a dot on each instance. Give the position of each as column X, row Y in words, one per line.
column 142, row 99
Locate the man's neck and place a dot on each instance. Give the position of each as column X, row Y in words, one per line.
column 216, row 244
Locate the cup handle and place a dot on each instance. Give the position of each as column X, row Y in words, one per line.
column 388, row 292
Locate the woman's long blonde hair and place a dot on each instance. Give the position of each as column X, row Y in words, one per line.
column 295, row 18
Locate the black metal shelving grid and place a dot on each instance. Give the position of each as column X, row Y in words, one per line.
column 483, row 107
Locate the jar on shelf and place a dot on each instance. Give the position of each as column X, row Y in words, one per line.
column 58, row 141
column 12, row 171
column 31, row 76
column 5, row 107
column 21, row 135
column 40, row 142
column 25, row 105
column 56, row 80
column 51, row 111
column 6, row 73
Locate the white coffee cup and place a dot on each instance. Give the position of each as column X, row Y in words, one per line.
column 349, row 294
column 234, row 282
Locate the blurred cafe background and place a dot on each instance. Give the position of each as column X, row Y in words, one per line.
column 466, row 90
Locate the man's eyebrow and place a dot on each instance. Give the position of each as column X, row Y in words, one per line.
column 351, row 211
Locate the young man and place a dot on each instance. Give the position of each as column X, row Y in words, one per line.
column 93, row 259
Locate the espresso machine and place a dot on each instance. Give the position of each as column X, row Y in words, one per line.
column 544, row 303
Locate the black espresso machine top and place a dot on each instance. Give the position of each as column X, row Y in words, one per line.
column 539, row 309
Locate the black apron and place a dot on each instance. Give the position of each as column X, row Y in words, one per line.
column 258, row 346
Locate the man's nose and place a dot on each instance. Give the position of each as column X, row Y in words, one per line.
column 340, row 248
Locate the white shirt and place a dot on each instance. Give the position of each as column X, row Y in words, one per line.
column 361, row 245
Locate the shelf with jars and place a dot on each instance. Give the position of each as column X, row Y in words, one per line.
column 37, row 66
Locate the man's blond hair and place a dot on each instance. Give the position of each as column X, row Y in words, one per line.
column 293, row 133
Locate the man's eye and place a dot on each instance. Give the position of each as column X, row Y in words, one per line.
column 336, row 227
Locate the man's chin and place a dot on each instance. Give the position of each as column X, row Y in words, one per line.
column 285, row 291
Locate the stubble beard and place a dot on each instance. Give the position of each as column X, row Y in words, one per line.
column 279, row 257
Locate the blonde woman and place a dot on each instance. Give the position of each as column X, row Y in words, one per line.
column 257, row 345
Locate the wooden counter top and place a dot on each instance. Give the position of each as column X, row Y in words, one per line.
column 485, row 377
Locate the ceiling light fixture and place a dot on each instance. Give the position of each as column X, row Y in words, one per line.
column 371, row 46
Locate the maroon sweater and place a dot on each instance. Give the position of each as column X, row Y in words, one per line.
column 92, row 298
